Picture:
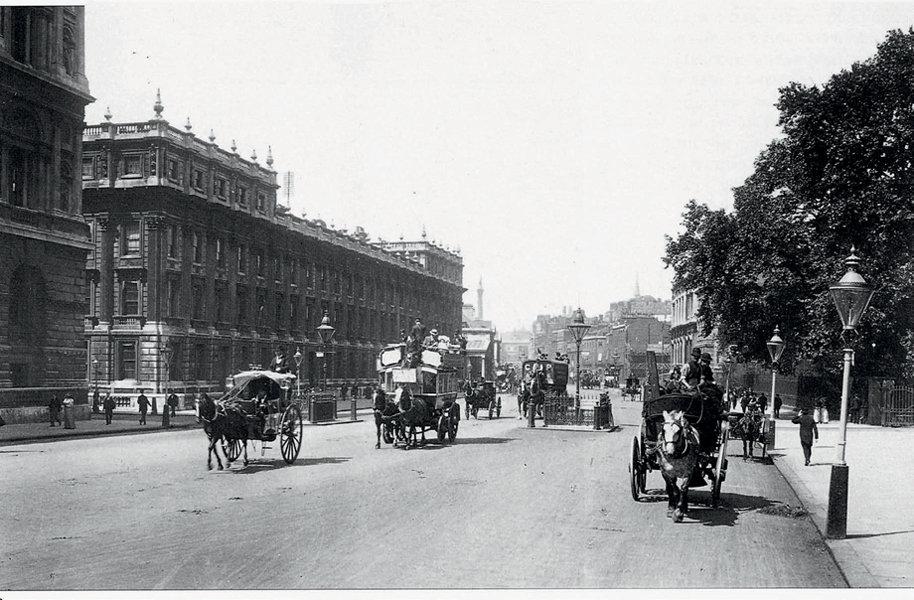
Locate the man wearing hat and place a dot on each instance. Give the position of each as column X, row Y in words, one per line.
column 431, row 340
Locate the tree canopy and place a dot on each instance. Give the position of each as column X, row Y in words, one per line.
column 840, row 177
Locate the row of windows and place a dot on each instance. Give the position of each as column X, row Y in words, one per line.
column 30, row 31
column 24, row 183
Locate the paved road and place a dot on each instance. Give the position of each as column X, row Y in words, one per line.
column 504, row 507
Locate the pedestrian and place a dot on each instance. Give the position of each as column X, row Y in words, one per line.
column 777, row 406
column 108, row 406
column 808, row 432
column 143, row 403
column 96, row 405
column 54, row 408
column 762, row 403
column 172, row 404
column 856, row 405
column 69, row 413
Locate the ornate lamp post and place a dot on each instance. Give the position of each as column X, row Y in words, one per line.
column 297, row 356
column 167, row 352
column 326, row 331
column 775, row 349
column 729, row 361
column 578, row 329
column 852, row 296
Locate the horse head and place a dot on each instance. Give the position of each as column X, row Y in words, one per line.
column 676, row 434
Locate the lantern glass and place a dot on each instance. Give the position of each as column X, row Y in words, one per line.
column 326, row 330
column 578, row 327
column 775, row 346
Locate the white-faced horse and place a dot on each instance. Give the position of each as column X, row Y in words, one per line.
column 677, row 446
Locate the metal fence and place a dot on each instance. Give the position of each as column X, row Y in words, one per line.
column 898, row 407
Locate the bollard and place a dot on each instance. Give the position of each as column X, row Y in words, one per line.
column 166, row 415
column 353, row 408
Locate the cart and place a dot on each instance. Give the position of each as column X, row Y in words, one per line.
column 272, row 416
column 703, row 413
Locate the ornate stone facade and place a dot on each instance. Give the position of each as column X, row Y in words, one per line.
column 43, row 236
column 192, row 253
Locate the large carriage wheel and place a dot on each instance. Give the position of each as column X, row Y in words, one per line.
column 387, row 433
column 443, row 427
column 720, row 469
column 498, row 409
column 491, row 408
column 453, row 422
column 290, row 434
column 636, row 469
column 232, row 449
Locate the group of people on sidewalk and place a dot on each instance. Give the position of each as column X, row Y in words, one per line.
column 58, row 411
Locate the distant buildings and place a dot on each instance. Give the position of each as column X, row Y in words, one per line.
column 43, row 236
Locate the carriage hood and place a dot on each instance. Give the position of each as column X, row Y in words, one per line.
column 282, row 379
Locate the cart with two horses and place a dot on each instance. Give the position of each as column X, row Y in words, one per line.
column 667, row 421
column 425, row 392
column 258, row 409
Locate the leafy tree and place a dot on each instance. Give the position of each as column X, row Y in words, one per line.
column 840, row 177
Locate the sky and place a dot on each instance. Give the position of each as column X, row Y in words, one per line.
column 554, row 144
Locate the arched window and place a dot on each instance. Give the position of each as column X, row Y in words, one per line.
column 66, row 185
column 69, row 52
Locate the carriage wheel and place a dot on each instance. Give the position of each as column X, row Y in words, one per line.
column 636, row 470
column 442, row 428
column 453, row 422
column 720, row 470
column 387, row 433
column 290, row 434
column 498, row 409
column 491, row 408
column 232, row 449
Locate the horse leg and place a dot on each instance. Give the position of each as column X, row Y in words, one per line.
column 683, row 505
column 245, row 452
column 377, row 423
column 672, row 498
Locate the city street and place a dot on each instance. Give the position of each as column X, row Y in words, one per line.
column 505, row 506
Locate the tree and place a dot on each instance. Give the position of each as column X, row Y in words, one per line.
column 840, row 177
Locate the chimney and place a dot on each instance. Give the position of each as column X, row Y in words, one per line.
column 479, row 301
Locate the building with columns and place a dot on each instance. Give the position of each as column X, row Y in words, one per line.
column 43, row 236
column 192, row 260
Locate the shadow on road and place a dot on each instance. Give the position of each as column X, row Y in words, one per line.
column 256, row 465
column 483, row 440
column 730, row 507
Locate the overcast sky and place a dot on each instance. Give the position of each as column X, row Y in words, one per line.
column 553, row 143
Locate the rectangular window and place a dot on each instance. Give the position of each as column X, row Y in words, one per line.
column 172, row 241
column 174, row 296
column 220, row 305
column 279, row 312
column 242, row 259
column 220, row 188
column 88, row 167
column 243, row 196
column 132, row 165
column 198, row 248
column 198, row 180
column 130, row 242
column 126, row 360
column 294, row 302
column 261, row 307
column 259, row 266
column 220, row 253
column 130, row 304
column 261, row 202
column 200, row 362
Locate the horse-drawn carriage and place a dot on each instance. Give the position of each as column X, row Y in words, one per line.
column 751, row 427
column 258, row 409
column 424, row 393
column 632, row 388
column 684, row 436
column 482, row 396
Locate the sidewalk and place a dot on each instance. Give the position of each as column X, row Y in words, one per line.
column 879, row 548
column 122, row 423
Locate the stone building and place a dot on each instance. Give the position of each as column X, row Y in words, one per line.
column 43, row 236
column 196, row 273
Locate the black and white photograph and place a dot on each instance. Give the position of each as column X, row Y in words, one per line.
column 514, row 299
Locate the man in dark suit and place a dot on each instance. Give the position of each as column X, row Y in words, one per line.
column 808, row 432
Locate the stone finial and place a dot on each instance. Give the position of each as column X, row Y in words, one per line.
column 254, row 155
column 423, row 232
column 187, row 125
column 158, row 107
column 212, row 137
column 108, row 114
column 234, row 147
column 270, row 156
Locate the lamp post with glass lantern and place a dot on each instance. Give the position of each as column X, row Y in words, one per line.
column 578, row 329
column 326, row 331
column 297, row 356
column 167, row 352
column 852, row 296
column 775, row 349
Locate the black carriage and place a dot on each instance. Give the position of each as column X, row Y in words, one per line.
column 632, row 388
column 264, row 398
column 482, row 396
column 434, row 378
column 752, row 427
column 704, row 413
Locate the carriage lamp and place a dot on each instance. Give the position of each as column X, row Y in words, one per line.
column 326, row 331
column 297, row 356
column 775, row 349
column 852, row 296
column 578, row 329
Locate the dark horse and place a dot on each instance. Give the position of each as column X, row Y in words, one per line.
column 386, row 415
column 413, row 413
column 748, row 428
column 221, row 423
column 678, row 451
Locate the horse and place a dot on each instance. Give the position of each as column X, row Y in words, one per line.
column 206, row 414
column 748, row 428
column 413, row 412
column 226, row 423
column 678, row 450
column 385, row 413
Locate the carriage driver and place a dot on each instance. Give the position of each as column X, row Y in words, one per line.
column 691, row 371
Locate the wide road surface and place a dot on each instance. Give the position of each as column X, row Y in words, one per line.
column 505, row 506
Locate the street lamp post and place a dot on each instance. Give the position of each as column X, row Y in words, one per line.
column 852, row 296
column 578, row 330
column 297, row 356
column 326, row 331
column 166, row 351
column 729, row 361
column 775, row 349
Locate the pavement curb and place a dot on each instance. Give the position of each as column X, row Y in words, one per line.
column 852, row 567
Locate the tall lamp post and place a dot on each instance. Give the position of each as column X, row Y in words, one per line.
column 166, row 351
column 852, row 296
column 578, row 329
column 326, row 331
column 775, row 349
column 297, row 356
column 729, row 362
